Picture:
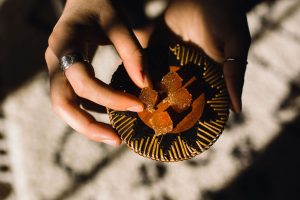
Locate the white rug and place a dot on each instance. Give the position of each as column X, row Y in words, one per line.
column 48, row 160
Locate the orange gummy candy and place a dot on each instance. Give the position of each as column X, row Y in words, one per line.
column 180, row 100
column 149, row 97
column 161, row 122
column 171, row 82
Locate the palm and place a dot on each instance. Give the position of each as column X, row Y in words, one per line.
column 218, row 27
column 210, row 25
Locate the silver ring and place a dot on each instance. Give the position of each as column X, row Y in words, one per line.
column 67, row 60
column 233, row 59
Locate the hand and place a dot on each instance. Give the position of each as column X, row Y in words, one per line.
column 220, row 28
column 84, row 23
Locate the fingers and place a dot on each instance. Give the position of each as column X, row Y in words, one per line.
column 234, row 71
column 64, row 102
column 129, row 50
column 75, row 29
column 84, row 123
column 65, row 39
column 234, row 79
column 87, row 86
column 71, row 35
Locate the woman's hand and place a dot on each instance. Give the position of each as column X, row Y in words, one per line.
column 84, row 23
column 220, row 28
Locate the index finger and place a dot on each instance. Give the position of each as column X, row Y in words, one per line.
column 128, row 47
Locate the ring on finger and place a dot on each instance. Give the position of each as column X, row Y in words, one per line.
column 235, row 59
column 68, row 60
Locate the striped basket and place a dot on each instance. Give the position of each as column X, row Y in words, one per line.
column 188, row 62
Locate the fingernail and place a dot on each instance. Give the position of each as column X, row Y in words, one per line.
column 237, row 107
column 146, row 80
column 137, row 108
column 110, row 142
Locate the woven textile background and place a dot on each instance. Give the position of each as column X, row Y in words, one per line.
column 41, row 158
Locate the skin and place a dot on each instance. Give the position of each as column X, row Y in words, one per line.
column 218, row 27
